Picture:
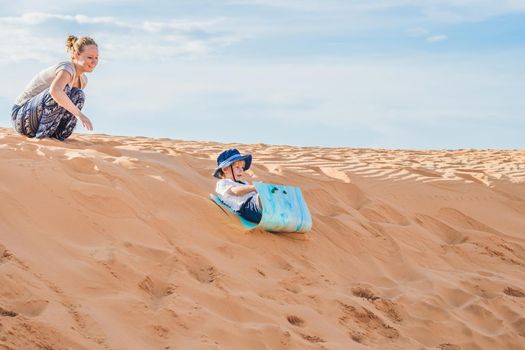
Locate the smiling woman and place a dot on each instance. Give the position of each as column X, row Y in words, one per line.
column 52, row 101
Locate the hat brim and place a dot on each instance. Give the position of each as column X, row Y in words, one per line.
column 226, row 163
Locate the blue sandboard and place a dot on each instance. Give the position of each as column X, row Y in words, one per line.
column 283, row 209
column 247, row 224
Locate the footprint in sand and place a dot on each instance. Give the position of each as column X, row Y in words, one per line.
column 5, row 255
column 514, row 292
column 364, row 293
column 369, row 324
column 156, row 288
column 387, row 307
column 7, row 313
column 161, row 331
column 312, row 338
column 295, row 320
column 290, row 285
column 198, row 266
column 358, row 337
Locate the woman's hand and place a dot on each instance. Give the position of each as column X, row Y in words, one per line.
column 56, row 90
column 85, row 121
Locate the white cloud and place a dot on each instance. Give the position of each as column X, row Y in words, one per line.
column 181, row 25
column 32, row 36
column 437, row 38
column 36, row 18
column 20, row 43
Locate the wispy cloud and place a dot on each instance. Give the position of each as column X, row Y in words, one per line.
column 36, row 18
column 143, row 39
column 437, row 38
column 182, row 25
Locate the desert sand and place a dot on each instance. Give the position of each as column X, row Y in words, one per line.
column 112, row 242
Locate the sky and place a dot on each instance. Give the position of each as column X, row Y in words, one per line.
column 397, row 74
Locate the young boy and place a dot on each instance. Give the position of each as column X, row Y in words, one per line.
column 239, row 195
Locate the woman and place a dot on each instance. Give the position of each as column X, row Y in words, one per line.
column 50, row 104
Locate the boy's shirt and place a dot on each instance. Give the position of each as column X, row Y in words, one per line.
column 233, row 201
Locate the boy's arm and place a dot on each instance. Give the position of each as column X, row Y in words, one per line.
column 242, row 190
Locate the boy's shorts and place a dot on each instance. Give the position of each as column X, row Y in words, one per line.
column 250, row 209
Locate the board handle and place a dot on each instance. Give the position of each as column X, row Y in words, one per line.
column 275, row 189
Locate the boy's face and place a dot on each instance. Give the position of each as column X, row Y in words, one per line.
column 238, row 170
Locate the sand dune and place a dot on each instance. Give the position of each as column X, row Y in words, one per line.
column 112, row 243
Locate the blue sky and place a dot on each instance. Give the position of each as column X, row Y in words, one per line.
column 390, row 74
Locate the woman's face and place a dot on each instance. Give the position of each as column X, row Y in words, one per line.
column 88, row 58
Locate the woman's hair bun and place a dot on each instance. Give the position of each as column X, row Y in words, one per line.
column 76, row 45
column 70, row 42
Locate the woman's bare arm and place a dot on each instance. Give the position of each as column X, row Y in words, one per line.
column 56, row 90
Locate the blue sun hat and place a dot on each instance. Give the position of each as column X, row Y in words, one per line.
column 230, row 156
